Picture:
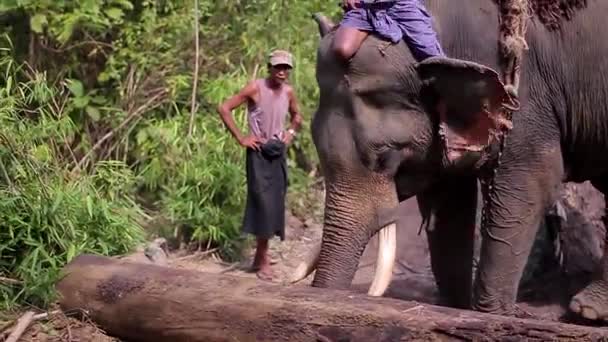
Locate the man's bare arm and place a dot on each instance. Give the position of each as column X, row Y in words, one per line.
column 294, row 111
column 225, row 109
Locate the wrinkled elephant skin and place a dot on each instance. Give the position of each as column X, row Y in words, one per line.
column 381, row 135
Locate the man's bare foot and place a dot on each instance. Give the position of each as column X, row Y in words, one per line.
column 265, row 273
column 256, row 265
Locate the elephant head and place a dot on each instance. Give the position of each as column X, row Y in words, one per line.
column 385, row 129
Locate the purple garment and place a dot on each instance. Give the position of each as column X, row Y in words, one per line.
column 401, row 19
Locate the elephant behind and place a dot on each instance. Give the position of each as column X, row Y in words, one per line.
column 387, row 129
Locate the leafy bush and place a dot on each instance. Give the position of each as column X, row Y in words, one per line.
column 199, row 183
column 48, row 215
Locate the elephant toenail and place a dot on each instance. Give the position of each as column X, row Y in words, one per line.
column 589, row 313
column 575, row 306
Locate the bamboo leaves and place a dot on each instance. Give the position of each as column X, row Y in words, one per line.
column 48, row 216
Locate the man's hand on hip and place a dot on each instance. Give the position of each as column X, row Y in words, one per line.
column 288, row 136
column 251, row 141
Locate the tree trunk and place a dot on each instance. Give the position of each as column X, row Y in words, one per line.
column 145, row 302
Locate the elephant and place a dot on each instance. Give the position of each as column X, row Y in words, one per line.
column 386, row 129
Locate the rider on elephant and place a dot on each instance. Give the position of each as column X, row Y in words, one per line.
column 394, row 20
column 390, row 19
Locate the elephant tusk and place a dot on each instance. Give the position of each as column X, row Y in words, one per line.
column 387, row 250
column 308, row 265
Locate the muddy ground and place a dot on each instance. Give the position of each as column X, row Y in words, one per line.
column 412, row 280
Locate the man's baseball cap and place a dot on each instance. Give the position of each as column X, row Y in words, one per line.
column 278, row 57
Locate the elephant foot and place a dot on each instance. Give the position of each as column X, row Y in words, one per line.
column 512, row 310
column 515, row 311
column 592, row 302
column 518, row 312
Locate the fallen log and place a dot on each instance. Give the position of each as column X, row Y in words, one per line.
column 146, row 302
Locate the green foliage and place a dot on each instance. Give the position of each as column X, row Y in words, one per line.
column 47, row 215
column 199, row 182
column 94, row 127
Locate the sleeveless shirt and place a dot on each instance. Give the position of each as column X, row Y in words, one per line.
column 266, row 119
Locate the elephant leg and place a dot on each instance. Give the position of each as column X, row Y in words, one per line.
column 514, row 204
column 592, row 301
column 451, row 206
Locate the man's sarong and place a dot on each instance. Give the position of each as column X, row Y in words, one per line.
column 401, row 19
column 266, row 189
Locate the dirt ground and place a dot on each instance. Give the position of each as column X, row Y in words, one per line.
column 60, row 328
column 412, row 280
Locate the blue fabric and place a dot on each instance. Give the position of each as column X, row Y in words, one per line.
column 403, row 19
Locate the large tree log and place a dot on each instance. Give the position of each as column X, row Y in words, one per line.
column 145, row 302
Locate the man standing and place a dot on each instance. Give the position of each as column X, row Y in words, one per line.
column 268, row 101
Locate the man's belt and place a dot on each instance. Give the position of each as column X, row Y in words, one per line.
column 373, row 4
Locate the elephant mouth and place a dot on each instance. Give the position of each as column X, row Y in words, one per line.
column 385, row 259
column 469, row 160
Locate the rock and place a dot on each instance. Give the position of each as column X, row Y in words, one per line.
column 577, row 218
column 157, row 251
column 309, row 223
column 570, row 241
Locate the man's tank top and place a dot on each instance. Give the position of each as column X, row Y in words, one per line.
column 267, row 118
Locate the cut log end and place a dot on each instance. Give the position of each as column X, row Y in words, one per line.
column 145, row 302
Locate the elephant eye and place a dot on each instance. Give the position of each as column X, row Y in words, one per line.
column 388, row 98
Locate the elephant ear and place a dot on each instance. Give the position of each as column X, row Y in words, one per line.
column 471, row 101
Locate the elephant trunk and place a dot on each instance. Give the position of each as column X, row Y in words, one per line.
column 351, row 209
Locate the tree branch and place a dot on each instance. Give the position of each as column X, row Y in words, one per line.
column 10, row 281
column 196, row 66
column 23, row 323
column 153, row 102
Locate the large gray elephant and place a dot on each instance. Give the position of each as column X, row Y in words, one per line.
column 387, row 129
